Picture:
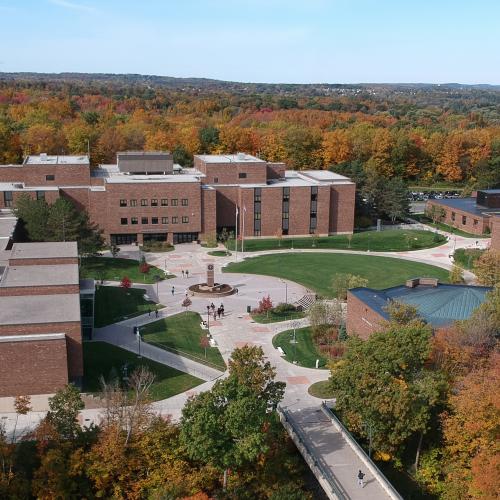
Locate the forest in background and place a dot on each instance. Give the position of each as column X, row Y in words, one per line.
column 423, row 134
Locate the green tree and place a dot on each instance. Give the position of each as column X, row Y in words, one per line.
column 382, row 385
column 33, row 215
column 209, row 138
column 64, row 222
column 215, row 428
column 64, row 407
column 342, row 282
column 182, row 156
column 394, row 201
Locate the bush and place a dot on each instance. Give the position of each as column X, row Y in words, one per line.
column 283, row 308
column 362, row 222
column 157, row 246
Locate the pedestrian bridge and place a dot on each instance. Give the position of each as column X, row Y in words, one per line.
column 334, row 456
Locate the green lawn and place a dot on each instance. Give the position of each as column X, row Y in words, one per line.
column 376, row 241
column 467, row 257
column 274, row 317
column 113, row 304
column 321, row 390
column 304, row 351
column 112, row 269
column 100, row 358
column 181, row 334
column 316, row 270
column 445, row 227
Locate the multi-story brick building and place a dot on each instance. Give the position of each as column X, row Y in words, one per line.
column 145, row 196
column 438, row 304
column 473, row 215
column 495, row 233
column 40, row 326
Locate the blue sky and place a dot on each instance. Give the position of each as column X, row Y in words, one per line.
column 306, row 41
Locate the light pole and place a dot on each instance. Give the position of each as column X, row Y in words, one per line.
column 208, row 319
column 286, row 291
column 137, row 332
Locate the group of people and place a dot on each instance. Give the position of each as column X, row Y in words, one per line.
column 217, row 313
column 185, row 274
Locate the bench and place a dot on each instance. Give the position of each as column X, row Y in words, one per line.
column 281, row 351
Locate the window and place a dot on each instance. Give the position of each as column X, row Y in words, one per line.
column 285, row 215
column 40, row 195
column 314, row 206
column 174, row 202
column 164, row 220
column 133, row 203
column 175, row 220
column 164, row 202
column 50, row 177
column 123, row 203
column 154, row 220
column 185, row 219
column 453, row 216
column 314, row 193
column 7, row 199
column 134, row 220
column 144, row 220
column 476, row 222
column 256, row 211
column 464, row 220
column 154, row 202
column 123, row 221
column 256, row 232
column 286, row 193
column 242, row 175
column 184, row 202
column 216, row 180
column 144, row 203
column 256, row 216
column 257, row 194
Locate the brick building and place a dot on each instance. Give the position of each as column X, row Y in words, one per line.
column 495, row 233
column 40, row 326
column 438, row 304
column 145, row 196
column 473, row 215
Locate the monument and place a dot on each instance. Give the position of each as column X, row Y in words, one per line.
column 210, row 288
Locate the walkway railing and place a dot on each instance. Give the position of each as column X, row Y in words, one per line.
column 370, row 465
column 324, row 475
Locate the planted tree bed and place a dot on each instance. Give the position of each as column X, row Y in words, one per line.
column 115, row 269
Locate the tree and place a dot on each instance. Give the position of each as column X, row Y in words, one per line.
column 435, row 213
column 114, row 250
column 265, row 305
column 456, row 275
column 64, row 222
column 125, row 283
column 401, row 313
column 22, row 405
column 64, row 407
column 383, row 384
column 34, row 215
column 186, row 303
column 342, row 282
column 209, row 139
column 204, row 343
column 215, row 428
column 144, row 268
column 487, row 268
column 394, row 202
column 279, row 236
column 324, row 312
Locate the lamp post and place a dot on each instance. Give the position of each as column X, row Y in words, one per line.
column 137, row 332
column 208, row 319
column 286, row 291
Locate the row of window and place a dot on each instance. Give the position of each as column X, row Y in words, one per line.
column 464, row 219
column 154, row 220
column 8, row 198
column 174, row 202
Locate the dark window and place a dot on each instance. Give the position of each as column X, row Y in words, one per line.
column 242, row 175
column 154, row 220
column 154, row 202
column 134, row 220
column 144, row 220
column 285, row 215
column 40, row 195
column 123, row 203
column 216, row 180
column 123, row 221
column 453, row 216
column 464, row 220
column 185, row 219
column 50, row 177
column 133, row 203
column 174, row 202
column 256, row 216
column 256, row 232
column 476, row 222
column 314, row 206
column 286, row 193
column 256, row 225
column 314, row 190
column 285, row 224
column 257, row 192
column 144, row 203
column 184, row 202
column 175, row 220
column 164, row 220
column 7, row 198
column 164, row 202
column 312, row 224
column 286, row 205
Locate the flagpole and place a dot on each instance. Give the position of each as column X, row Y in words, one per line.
column 243, row 230
column 236, row 235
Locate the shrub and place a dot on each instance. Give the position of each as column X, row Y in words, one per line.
column 157, row 246
column 343, row 282
column 362, row 222
column 265, row 305
column 283, row 308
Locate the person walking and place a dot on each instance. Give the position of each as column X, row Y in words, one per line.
column 215, row 315
column 173, row 290
column 218, row 312
column 187, row 273
column 361, row 479
column 182, row 273
column 222, row 309
column 156, row 312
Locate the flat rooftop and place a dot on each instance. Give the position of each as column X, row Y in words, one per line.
column 35, row 309
column 43, row 159
column 438, row 305
column 237, row 158
column 44, row 250
column 25, row 276
column 19, row 186
column 468, row 205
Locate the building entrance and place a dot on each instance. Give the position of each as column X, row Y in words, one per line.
column 123, row 239
column 185, row 237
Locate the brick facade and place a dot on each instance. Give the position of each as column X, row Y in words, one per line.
column 361, row 320
column 495, row 233
column 33, row 367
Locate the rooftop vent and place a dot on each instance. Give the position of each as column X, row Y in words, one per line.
column 422, row 281
column 241, row 156
column 43, row 156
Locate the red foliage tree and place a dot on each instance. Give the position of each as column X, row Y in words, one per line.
column 126, row 283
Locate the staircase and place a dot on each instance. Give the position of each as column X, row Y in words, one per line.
column 305, row 302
